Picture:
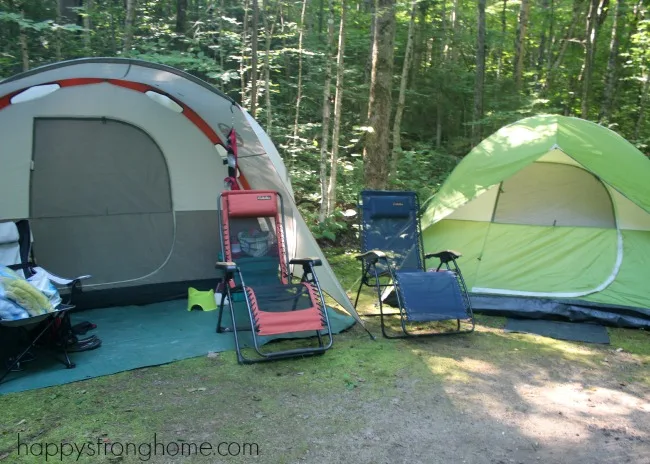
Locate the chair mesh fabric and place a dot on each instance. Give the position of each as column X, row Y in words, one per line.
column 390, row 224
column 257, row 245
column 285, row 308
column 431, row 296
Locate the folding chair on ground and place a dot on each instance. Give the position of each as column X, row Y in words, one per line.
column 392, row 260
column 257, row 276
column 16, row 254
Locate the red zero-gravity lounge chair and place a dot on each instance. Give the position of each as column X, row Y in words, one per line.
column 257, row 275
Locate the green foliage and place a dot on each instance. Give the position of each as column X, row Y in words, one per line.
column 438, row 116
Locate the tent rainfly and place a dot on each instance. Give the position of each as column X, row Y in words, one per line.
column 552, row 215
column 118, row 164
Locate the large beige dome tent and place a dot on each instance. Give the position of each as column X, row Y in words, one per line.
column 119, row 163
column 552, row 215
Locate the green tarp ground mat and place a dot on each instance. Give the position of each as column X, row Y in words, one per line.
column 577, row 332
column 134, row 337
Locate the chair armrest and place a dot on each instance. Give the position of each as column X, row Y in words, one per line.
column 61, row 280
column 372, row 256
column 228, row 267
column 303, row 261
column 444, row 256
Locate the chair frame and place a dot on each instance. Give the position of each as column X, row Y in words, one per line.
column 29, row 267
column 230, row 269
column 371, row 277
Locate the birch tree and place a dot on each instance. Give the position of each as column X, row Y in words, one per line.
column 301, row 34
column 324, row 146
column 254, row 58
column 520, row 42
column 480, row 73
column 338, row 101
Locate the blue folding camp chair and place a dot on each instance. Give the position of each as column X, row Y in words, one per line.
column 392, row 259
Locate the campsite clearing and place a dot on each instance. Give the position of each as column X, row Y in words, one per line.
column 488, row 397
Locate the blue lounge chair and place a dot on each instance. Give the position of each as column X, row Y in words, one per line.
column 392, row 259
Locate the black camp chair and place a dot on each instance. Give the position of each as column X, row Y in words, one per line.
column 392, row 260
column 257, row 277
column 17, row 255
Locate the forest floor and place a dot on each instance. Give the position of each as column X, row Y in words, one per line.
column 487, row 397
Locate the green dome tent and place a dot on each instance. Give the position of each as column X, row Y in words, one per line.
column 552, row 215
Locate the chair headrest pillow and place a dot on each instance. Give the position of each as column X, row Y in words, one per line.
column 8, row 233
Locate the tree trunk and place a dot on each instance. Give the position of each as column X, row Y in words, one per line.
column 520, row 44
column 254, row 58
column 397, row 123
column 612, row 63
column 504, row 30
column 128, row 26
column 545, row 35
column 591, row 32
column 577, row 7
column 24, row 49
column 268, row 35
column 376, row 150
column 368, row 67
column 181, row 16
column 643, row 103
column 338, row 101
column 222, row 12
column 88, row 7
column 480, row 73
column 242, row 63
column 299, row 85
column 442, row 81
column 324, row 146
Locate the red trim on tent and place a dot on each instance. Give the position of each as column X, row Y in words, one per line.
column 188, row 112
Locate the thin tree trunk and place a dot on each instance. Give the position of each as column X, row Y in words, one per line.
column 591, row 32
column 376, row 151
column 368, row 67
column 88, row 7
column 254, row 59
column 299, row 89
column 397, row 123
column 545, row 35
column 338, row 101
column 520, row 44
column 268, row 35
column 242, row 63
column 222, row 12
column 24, row 49
column 577, row 7
column 504, row 29
column 644, row 101
column 128, row 26
column 612, row 62
column 59, row 40
column 324, row 146
column 480, row 73
column 181, row 16
column 442, row 81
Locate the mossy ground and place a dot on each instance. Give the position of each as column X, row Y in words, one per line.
column 361, row 400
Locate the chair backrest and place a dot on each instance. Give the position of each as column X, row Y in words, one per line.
column 253, row 235
column 15, row 244
column 390, row 222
